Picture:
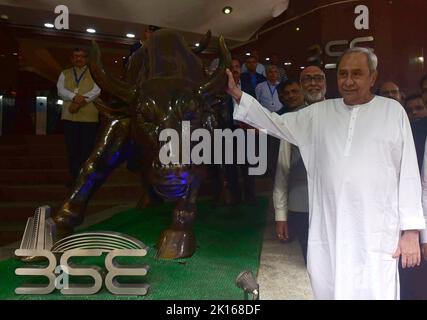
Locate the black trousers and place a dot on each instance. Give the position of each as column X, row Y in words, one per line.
column 80, row 140
column 413, row 282
column 298, row 226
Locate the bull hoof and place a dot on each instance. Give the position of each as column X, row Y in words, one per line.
column 175, row 244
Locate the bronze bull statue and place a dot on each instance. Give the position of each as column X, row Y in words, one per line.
column 168, row 84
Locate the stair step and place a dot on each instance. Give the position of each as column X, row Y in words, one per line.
column 56, row 176
column 32, row 150
column 13, row 140
column 59, row 192
column 19, row 213
column 7, row 237
column 33, row 163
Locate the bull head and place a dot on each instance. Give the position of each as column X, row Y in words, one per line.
column 213, row 84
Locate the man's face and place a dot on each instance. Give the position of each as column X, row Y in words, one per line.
column 235, row 69
column 251, row 64
column 313, row 84
column 272, row 75
column 391, row 90
column 424, row 91
column 416, row 109
column 292, row 96
column 79, row 59
column 355, row 79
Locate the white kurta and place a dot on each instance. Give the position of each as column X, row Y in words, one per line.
column 364, row 187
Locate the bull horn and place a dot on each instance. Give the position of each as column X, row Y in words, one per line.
column 106, row 81
column 203, row 44
column 218, row 80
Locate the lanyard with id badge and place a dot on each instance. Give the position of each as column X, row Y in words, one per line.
column 78, row 79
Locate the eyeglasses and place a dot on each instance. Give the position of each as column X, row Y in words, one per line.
column 317, row 78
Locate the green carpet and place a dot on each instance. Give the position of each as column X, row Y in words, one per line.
column 229, row 240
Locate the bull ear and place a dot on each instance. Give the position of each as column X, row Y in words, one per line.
column 204, row 43
column 106, row 81
column 216, row 83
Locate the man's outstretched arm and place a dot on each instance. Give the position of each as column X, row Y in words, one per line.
column 295, row 127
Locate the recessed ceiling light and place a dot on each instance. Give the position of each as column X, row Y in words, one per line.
column 302, row 68
column 330, row 66
column 197, row 44
column 297, row 28
column 248, row 54
column 90, row 30
column 49, row 25
column 59, row 102
column 227, row 10
column 267, row 59
column 15, row 53
column 130, row 35
column 288, row 63
column 420, row 59
column 115, row 61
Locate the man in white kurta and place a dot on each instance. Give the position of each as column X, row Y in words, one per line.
column 364, row 187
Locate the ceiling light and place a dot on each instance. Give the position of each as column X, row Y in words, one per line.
column 4, row 17
column 130, row 35
column 248, row 54
column 90, row 30
column 197, row 44
column 115, row 61
column 227, row 10
column 420, row 59
column 49, row 25
column 15, row 53
column 330, row 66
column 267, row 59
column 59, row 102
column 288, row 63
column 302, row 68
column 297, row 29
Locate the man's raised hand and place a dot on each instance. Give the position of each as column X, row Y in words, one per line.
column 232, row 88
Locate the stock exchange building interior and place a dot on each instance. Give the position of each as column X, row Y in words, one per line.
column 90, row 90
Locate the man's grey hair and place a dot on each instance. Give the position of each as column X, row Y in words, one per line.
column 270, row 67
column 370, row 55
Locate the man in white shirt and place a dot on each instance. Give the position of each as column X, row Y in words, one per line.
column 266, row 92
column 363, row 178
column 290, row 191
column 79, row 114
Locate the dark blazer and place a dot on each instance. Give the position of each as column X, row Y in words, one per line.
column 419, row 131
column 246, row 83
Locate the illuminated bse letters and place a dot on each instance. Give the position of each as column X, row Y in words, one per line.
column 70, row 269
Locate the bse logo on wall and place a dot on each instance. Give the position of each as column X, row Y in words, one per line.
column 37, row 242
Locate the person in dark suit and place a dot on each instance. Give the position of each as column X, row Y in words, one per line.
column 250, row 79
column 226, row 187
